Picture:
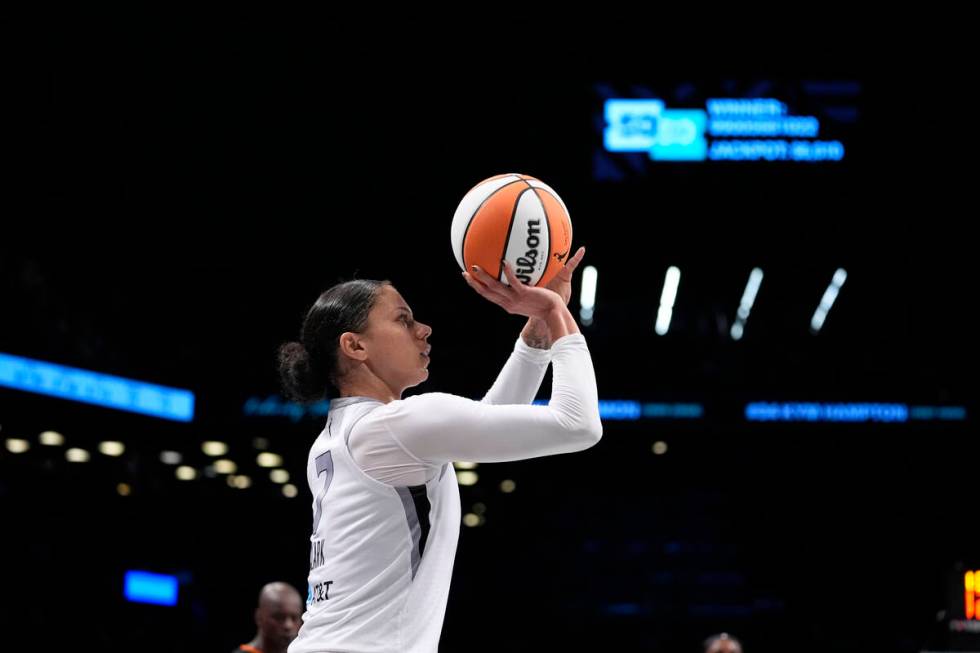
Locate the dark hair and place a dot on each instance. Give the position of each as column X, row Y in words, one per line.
column 307, row 368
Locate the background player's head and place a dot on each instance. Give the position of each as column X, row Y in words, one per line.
column 722, row 643
column 360, row 333
column 278, row 615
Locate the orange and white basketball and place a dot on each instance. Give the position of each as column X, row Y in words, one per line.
column 516, row 217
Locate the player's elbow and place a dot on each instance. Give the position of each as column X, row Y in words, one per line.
column 595, row 431
column 589, row 432
column 581, row 425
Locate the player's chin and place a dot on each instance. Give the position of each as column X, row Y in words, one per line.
column 420, row 376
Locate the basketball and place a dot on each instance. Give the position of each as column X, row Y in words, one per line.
column 516, row 217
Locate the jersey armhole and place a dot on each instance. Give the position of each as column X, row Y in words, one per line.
column 391, row 434
column 401, row 446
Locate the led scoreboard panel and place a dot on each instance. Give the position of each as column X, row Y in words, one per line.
column 745, row 122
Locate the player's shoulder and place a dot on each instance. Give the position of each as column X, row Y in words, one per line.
column 428, row 401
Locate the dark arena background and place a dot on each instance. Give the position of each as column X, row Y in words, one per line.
column 779, row 321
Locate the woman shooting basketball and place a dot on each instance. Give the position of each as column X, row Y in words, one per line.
column 386, row 507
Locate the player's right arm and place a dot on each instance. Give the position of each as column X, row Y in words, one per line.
column 438, row 428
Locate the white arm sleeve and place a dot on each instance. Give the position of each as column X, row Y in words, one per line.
column 436, row 428
column 521, row 376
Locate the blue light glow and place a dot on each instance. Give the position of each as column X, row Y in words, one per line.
column 673, row 411
column 817, row 412
column 724, row 129
column 745, row 107
column 775, row 150
column 274, row 406
column 795, row 126
column 147, row 587
column 631, row 125
column 680, row 136
column 944, row 413
column 94, row 388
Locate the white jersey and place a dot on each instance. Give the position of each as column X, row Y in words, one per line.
column 382, row 551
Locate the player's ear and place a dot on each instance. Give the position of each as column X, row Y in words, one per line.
column 352, row 346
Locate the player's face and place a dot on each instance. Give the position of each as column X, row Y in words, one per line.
column 398, row 347
column 279, row 620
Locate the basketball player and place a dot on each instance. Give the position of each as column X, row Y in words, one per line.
column 277, row 619
column 722, row 643
column 386, row 507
